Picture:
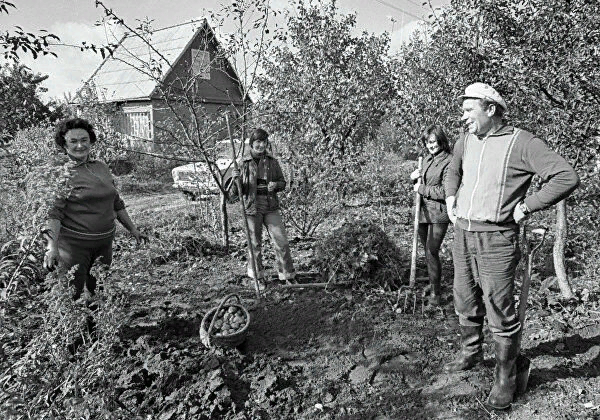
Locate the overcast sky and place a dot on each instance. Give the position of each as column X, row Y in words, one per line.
column 73, row 21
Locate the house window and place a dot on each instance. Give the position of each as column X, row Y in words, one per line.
column 137, row 124
column 201, row 64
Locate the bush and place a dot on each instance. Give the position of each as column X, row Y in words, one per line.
column 142, row 174
column 34, row 174
column 150, row 167
column 311, row 196
column 583, row 212
column 361, row 253
column 385, row 175
column 20, row 265
column 132, row 184
column 43, row 378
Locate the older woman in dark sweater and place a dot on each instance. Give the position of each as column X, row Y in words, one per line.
column 81, row 226
column 433, row 218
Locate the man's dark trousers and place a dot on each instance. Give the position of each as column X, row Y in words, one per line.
column 484, row 273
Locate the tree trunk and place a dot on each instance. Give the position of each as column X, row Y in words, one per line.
column 224, row 222
column 559, row 251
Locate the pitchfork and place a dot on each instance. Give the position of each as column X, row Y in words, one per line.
column 410, row 295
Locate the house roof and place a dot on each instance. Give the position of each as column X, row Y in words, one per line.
column 126, row 75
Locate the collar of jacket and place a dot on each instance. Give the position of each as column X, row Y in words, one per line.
column 441, row 155
column 83, row 163
column 248, row 156
column 504, row 130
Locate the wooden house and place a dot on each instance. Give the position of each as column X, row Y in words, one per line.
column 181, row 63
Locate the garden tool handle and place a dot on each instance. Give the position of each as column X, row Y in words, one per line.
column 243, row 204
column 527, row 271
column 526, row 278
column 413, row 258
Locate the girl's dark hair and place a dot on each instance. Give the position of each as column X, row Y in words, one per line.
column 258, row 134
column 440, row 136
column 62, row 127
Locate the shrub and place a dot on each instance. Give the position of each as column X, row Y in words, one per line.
column 385, row 175
column 20, row 265
column 35, row 173
column 307, row 203
column 132, row 184
column 148, row 174
column 359, row 252
column 583, row 242
column 43, row 378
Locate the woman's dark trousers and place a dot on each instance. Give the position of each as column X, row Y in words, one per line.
column 432, row 235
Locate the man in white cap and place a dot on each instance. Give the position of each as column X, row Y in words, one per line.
column 486, row 186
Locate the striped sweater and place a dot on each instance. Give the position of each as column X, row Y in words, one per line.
column 490, row 176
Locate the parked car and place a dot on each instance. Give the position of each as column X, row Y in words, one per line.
column 195, row 179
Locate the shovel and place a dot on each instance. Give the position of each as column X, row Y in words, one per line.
column 523, row 363
column 243, row 204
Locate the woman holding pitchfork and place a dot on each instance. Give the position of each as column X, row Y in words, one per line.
column 433, row 218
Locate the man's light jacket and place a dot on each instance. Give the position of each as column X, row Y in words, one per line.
column 490, row 176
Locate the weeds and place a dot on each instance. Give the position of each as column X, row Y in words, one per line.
column 361, row 253
column 61, row 355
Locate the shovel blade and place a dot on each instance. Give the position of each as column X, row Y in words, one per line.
column 523, row 370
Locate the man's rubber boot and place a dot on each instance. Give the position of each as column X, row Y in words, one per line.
column 505, row 374
column 471, row 352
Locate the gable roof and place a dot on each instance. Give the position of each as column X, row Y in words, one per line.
column 125, row 76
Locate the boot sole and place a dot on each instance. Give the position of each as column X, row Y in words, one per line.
column 492, row 407
column 497, row 408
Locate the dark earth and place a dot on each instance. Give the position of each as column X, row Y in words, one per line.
column 334, row 352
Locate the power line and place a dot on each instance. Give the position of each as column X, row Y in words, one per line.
column 416, row 4
column 385, row 3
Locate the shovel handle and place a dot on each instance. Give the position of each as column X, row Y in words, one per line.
column 243, row 204
column 527, row 272
column 523, row 363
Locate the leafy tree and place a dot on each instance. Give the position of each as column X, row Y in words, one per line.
column 20, row 104
column 324, row 86
column 12, row 43
column 324, row 93
column 439, row 61
column 540, row 55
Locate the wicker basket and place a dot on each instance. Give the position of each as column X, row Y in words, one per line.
column 231, row 340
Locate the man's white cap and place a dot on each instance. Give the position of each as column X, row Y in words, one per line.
column 483, row 91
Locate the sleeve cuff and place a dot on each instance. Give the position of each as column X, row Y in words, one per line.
column 533, row 203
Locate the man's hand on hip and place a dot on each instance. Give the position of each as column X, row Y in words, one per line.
column 519, row 215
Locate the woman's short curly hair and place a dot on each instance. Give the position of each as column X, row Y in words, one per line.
column 62, row 127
